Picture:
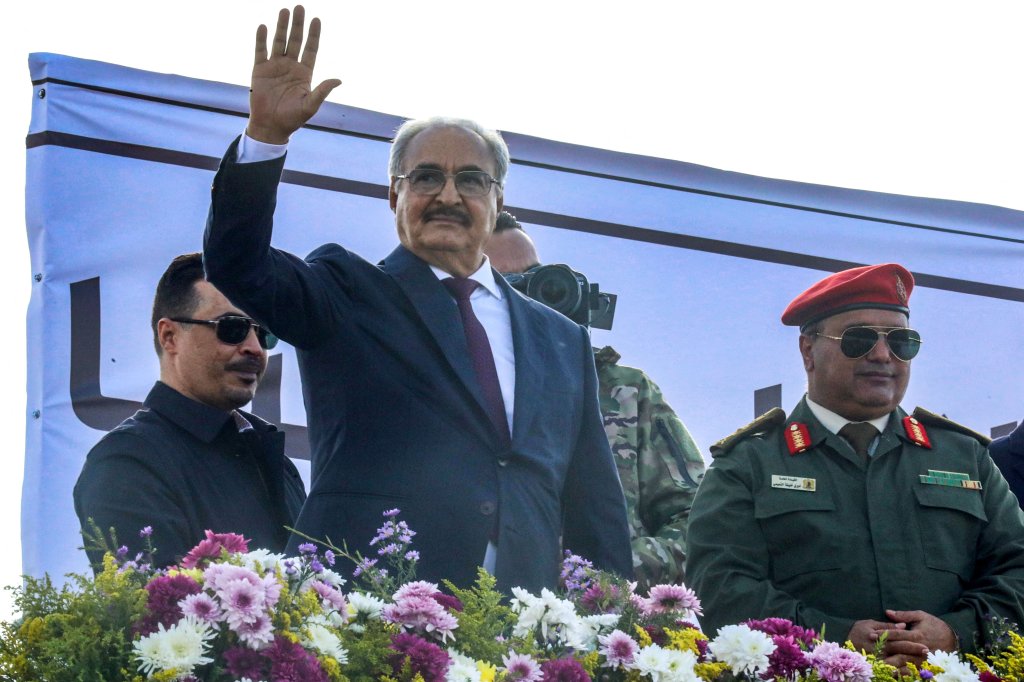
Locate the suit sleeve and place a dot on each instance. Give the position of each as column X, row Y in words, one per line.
column 289, row 295
column 594, row 509
column 997, row 584
column 124, row 485
column 728, row 558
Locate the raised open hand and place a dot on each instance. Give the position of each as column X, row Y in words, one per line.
column 281, row 99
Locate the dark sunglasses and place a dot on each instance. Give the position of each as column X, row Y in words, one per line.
column 856, row 342
column 233, row 329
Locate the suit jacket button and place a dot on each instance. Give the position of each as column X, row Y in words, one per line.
column 487, row 508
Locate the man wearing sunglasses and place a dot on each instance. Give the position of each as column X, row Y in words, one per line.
column 430, row 384
column 851, row 516
column 191, row 460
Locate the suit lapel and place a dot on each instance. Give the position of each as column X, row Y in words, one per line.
column 439, row 313
column 530, row 343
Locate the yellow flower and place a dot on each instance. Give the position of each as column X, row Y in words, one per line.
column 487, row 671
column 642, row 637
column 710, row 671
column 685, row 639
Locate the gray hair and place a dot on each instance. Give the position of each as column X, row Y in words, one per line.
column 410, row 129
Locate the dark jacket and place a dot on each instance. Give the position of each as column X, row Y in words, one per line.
column 395, row 414
column 1008, row 454
column 183, row 468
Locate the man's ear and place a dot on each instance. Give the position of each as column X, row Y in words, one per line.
column 501, row 200
column 393, row 195
column 168, row 333
column 806, row 343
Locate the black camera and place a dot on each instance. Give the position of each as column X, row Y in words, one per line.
column 561, row 288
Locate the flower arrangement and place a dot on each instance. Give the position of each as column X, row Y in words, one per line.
column 228, row 613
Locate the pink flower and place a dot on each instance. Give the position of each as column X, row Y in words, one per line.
column 564, row 670
column 672, row 599
column 836, row 664
column 201, row 606
column 210, row 548
column 257, row 633
column 521, row 668
column 423, row 614
column 243, row 602
column 417, row 588
column 165, row 592
column 618, row 648
column 331, row 595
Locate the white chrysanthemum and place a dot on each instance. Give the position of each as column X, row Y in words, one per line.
column 953, row 669
column 365, row 605
column 652, row 661
column 179, row 647
column 679, row 666
column 745, row 651
column 331, row 578
column 263, row 561
column 596, row 625
column 462, row 669
column 556, row 619
column 320, row 638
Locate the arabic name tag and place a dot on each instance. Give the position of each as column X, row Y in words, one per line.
column 793, row 483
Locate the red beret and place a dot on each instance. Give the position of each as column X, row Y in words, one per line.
column 885, row 286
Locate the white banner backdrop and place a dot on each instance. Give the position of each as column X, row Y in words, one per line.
column 120, row 163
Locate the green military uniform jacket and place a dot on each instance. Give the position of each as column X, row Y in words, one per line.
column 659, row 466
column 843, row 539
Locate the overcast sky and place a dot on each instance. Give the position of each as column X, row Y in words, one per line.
column 917, row 98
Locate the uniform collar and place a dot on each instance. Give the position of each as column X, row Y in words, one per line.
column 199, row 419
column 835, row 422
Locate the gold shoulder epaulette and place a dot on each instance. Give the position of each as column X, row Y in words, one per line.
column 773, row 417
column 933, row 419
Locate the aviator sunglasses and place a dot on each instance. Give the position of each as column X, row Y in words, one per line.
column 856, row 342
column 233, row 329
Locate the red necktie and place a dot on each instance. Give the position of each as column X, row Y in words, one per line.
column 479, row 352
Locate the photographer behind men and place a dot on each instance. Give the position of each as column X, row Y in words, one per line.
column 658, row 462
column 190, row 461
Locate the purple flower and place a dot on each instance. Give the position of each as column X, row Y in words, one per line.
column 289, row 662
column 307, row 548
column 289, row 567
column 242, row 662
column 364, row 566
column 392, row 513
column 329, row 557
column 425, row 658
column 836, row 664
column 122, row 552
column 784, row 627
column 521, row 668
column 448, row 601
column 928, row 674
column 243, row 602
column 331, row 596
column 787, row 660
column 412, row 555
column 563, row 670
column 316, row 566
column 146, row 532
column 424, row 614
column 165, row 592
column 618, row 648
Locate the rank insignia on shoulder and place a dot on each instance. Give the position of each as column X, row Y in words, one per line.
column 798, row 438
column 916, row 433
column 766, row 422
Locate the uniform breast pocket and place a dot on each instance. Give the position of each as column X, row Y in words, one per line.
column 949, row 521
column 801, row 530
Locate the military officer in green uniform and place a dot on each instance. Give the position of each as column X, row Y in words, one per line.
column 851, row 516
column 658, row 462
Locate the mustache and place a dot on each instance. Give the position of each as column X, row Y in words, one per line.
column 246, row 365
column 449, row 213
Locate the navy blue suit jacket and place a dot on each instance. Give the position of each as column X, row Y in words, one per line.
column 1008, row 454
column 395, row 414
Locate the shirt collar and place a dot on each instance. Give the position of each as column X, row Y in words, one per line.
column 199, row 419
column 484, row 276
column 834, row 422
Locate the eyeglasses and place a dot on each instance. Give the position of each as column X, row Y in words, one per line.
column 856, row 342
column 233, row 329
column 430, row 181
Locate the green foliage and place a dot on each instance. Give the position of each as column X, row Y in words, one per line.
column 79, row 632
column 484, row 619
column 368, row 652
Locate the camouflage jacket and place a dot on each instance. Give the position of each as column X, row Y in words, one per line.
column 659, row 466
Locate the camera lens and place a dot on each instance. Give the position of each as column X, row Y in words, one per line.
column 557, row 287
